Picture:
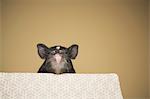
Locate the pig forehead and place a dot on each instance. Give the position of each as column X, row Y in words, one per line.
column 58, row 47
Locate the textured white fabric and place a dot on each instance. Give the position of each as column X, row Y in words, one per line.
column 64, row 86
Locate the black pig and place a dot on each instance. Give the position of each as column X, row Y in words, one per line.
column 57, row 58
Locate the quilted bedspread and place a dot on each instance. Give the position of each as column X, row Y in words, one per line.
column 64, row 86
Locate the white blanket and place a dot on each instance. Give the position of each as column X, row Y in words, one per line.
column 64, row 86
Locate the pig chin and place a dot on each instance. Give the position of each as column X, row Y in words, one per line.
column 58, row 58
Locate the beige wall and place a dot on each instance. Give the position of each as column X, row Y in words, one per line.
column 112, row 35
column 0, row 35
column 149, row 43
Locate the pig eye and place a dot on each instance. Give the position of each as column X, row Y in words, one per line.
column 61, row 51
column 53, row 52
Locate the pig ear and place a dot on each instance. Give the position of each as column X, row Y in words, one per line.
column 73, row 51
column 42, row 50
